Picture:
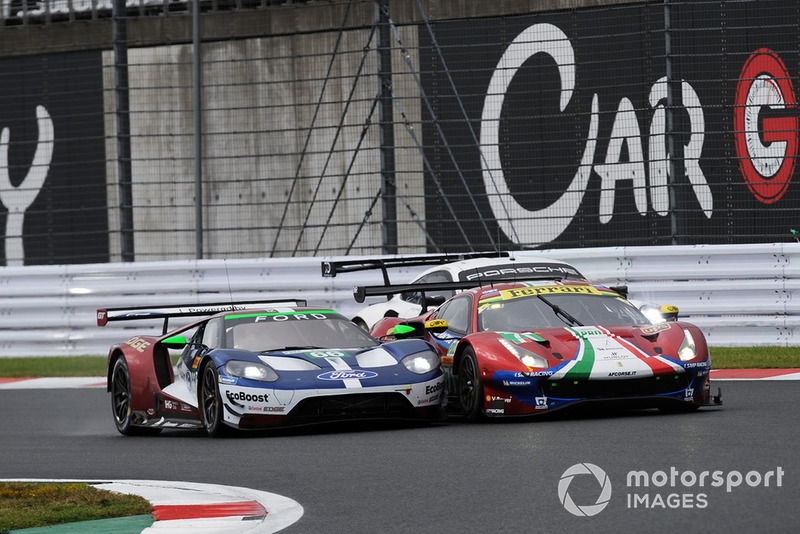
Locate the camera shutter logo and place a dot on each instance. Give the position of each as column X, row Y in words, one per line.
column 602, row 499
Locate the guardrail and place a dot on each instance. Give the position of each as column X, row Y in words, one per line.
column 738, row 294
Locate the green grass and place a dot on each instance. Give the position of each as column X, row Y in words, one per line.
column 755, row 357
column 53, row 366
column 722, row 358
column 29, row 504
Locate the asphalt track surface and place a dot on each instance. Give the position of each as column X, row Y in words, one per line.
column 455, row 477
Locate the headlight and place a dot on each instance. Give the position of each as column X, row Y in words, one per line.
column 250, row 370
column 421, row 362
column 688, row 350
column 524, row 355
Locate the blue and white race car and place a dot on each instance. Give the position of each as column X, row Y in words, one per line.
column 253, row 365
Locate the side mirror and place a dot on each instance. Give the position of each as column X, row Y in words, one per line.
column 669, row 312
column 416, row 329
column 174, row 342
column 436, row 326
column 408, row 330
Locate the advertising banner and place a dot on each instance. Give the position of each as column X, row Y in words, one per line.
column 550, row 129
column 53, row 207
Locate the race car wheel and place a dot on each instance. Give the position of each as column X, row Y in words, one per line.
column 470, row 388
column 211, row 409
column 121, row 402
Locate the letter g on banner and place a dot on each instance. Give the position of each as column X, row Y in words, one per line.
column 766, row 125
column 602, row 499
column 518, row 223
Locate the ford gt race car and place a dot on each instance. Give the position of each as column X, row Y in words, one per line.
column 446, row 268
column 526, row 348
column 251, row 365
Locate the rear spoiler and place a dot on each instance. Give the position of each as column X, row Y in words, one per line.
column 332, row 268
column 185, row 310
column 362, row 292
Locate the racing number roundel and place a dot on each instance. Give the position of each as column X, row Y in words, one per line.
column 766, row 125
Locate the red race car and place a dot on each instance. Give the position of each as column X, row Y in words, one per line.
column 512, row 348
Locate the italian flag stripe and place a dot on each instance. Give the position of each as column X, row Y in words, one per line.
column 584, row 361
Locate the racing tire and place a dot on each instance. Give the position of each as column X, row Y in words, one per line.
column 121, row 401
column 359, row 322
column 211, row 407
column 470, row 387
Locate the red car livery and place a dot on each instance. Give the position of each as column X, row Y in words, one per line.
column 523, row 348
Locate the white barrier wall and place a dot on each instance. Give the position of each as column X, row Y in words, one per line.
column 738, row 294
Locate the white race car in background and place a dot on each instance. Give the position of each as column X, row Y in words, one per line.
column 447, row 268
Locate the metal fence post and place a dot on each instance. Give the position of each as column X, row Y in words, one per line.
column 119, row 30
column 386, row 124
column 674, row 140
column 198, row 128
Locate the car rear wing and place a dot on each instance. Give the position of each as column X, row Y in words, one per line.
column 332, row 268
column 186, row 310
column 360, row 293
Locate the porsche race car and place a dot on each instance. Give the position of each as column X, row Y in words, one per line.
column 445, row 268
column 525, row 348
column 252, row 365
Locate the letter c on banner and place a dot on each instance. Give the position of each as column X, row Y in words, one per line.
column 518, row 223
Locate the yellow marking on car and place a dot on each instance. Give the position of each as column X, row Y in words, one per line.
column 507, row 294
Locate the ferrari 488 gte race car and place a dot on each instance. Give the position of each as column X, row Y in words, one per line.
column 251, row 365
column 525, row 348
column 446, row 268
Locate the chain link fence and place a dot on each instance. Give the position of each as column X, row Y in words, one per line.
column 147, row 130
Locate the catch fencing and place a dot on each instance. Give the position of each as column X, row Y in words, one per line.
column 740, row 295
column 155, row 130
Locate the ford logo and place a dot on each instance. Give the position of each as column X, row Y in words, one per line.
column 345, row 375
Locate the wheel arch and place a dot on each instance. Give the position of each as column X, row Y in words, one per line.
column 201, row 368
column 458, row 356
column 115, row 354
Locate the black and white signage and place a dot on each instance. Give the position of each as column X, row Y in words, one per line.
column 52, row 160
column 564, row 142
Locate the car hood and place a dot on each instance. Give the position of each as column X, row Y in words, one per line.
column 385, row 355
column 604, row 353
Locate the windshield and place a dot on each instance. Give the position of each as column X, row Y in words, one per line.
column 557, row 310
column 266, row 332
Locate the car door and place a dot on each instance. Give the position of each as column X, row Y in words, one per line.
column 206, row 337
column 458, row 314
